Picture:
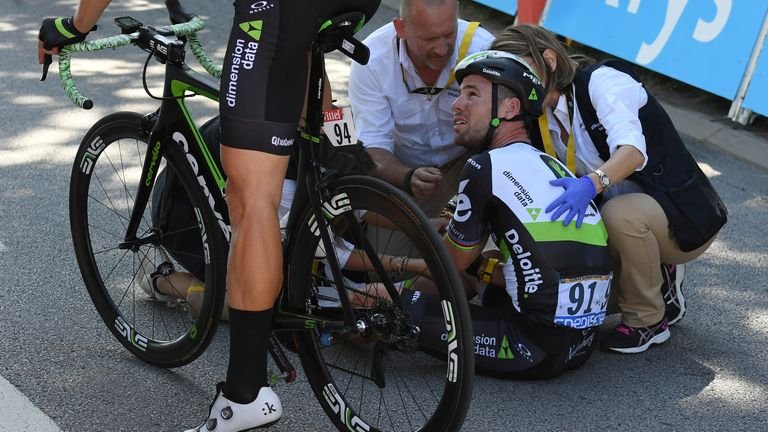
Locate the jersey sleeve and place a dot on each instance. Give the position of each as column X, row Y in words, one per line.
column 469, row 225
column 617, row 99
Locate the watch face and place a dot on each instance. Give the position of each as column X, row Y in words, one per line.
column 605, row 181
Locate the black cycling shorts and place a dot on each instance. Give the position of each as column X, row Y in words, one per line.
column 507, row 344
column 263, row 81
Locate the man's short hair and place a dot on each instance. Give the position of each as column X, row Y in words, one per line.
column 506, row 93
column 405, row 5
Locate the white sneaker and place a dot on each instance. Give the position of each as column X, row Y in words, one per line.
column 147, row 274
column 227, row 416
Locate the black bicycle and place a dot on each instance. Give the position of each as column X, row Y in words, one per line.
column 359, row 348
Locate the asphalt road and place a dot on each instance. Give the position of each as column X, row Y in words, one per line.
column 710, row 376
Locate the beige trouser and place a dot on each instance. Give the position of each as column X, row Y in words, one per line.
column 394, row 243
column 639, row 241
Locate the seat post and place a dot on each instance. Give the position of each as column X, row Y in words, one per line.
column 315, row 90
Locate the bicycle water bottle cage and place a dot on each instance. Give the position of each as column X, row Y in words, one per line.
column 338, row 34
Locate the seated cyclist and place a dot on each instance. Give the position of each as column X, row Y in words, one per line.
column 259, row 119
column 548, row 284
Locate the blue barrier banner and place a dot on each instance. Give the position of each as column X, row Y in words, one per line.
column 507, row 6
column 757, row 93
column 705, row 43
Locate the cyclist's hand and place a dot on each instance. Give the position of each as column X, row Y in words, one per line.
column 54, row 34
column 575, row 200
column 425, row 181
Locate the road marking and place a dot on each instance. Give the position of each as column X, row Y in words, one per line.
column 19, row 414
column 3, row 247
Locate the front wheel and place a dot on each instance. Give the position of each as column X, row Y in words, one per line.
column 176, row 242
column 380, row 376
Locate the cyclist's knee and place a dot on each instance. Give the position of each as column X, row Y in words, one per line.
column 254, row 182
column 249, row 204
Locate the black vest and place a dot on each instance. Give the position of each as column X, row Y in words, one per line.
column 672, row 177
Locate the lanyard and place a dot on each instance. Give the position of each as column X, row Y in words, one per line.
column 466, row 40
column 464, row 47
column 549, row 147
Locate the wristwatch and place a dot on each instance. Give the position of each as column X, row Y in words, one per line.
column 605, row 181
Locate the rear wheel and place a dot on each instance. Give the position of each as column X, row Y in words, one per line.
column 378, row 376
column 175, row 248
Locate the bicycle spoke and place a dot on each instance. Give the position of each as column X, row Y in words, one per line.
column 167, row 332
column 380, row 375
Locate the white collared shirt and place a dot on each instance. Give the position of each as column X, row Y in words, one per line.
column 416, row 128
column 617, row 99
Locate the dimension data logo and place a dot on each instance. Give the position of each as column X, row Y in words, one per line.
column 253, row 28
column 504, row 352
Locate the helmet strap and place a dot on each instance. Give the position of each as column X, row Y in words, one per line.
column 495, row 120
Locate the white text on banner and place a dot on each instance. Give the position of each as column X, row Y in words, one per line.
column 705, row 43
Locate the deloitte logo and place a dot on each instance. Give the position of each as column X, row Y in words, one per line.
column 253, row 28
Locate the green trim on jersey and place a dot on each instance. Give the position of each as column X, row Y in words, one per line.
column 504, row 252
column 555, row 231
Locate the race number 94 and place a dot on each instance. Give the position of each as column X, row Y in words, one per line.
column 339, row 126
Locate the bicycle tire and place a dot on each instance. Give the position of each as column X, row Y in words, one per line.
column 104, row 181
column 415, row 390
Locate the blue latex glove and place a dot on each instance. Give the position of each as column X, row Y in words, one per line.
column 578, row 193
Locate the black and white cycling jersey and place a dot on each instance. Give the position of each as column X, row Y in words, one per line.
column 555, row 274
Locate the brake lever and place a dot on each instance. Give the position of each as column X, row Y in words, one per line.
column 46, row 64
column 49, row 59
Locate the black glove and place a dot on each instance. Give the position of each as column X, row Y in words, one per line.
column 58, row 33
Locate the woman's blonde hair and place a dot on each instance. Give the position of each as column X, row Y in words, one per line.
column 531, row 41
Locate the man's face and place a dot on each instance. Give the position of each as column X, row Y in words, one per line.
column 472, row 112
column 430, row 34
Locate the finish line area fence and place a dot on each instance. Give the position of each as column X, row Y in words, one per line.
column 714, row 45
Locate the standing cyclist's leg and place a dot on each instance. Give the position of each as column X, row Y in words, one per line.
column 261, row 95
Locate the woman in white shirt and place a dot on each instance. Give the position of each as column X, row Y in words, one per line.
column 659, row 209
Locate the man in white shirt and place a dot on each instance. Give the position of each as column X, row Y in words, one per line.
column 402, row 98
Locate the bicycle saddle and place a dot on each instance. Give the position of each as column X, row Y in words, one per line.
column 338, row 34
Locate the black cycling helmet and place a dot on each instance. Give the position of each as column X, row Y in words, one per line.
column 509, row 70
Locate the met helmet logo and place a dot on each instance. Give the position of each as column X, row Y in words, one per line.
column 253, row 28
column 532, row 78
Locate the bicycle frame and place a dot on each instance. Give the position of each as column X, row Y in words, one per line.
column 172, row 125
column 175, row 126
column 325, row 209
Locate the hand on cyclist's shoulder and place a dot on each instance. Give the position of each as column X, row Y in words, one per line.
column 56, row 33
